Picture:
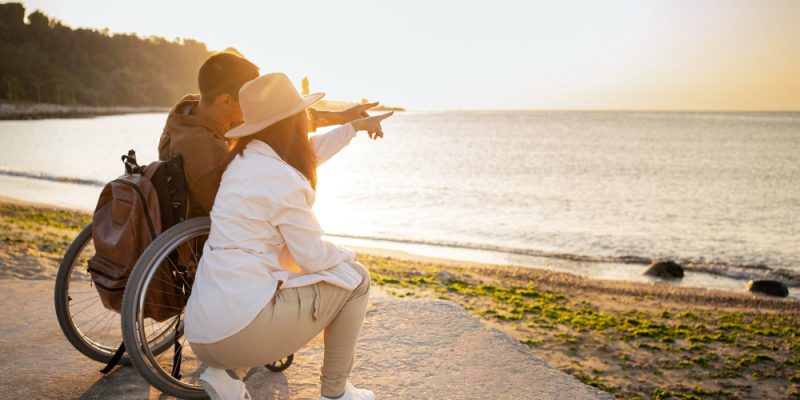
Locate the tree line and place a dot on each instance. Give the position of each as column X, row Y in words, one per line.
column 45, row 61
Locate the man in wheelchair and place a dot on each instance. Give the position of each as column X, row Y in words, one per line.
column 196, row 125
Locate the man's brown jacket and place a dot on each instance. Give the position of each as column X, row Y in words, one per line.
column 201, row 143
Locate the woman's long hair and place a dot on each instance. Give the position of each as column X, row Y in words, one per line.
column 289, row 138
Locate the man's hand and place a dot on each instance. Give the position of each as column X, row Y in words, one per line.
column 371, row 125
column 327, row 118
column 356, row 112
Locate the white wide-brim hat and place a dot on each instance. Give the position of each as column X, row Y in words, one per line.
column 267, row 100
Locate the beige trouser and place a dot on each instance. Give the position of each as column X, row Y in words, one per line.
column 291, row 319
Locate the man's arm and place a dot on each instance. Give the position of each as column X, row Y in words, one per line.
column 319, row 118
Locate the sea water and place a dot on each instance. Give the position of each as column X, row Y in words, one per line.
column 596, row 193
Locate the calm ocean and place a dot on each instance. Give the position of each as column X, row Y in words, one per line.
column 597, row 193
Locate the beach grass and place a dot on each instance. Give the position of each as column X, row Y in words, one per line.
column 33, row 239
column 632, row 346
column 636, row 341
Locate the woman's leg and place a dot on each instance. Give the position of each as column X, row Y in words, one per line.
column 341, row 336
column 282, row 327
column 290, row 320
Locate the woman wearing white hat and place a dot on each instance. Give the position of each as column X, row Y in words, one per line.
column 267, row 283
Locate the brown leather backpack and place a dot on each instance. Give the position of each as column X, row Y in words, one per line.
column 132, row 210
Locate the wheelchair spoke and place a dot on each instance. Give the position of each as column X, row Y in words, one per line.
column 172, row 284
column 89, row 291
column 73, row 302
column 178, row 273
column 105, row 318
column 163, row 284
column 93, row 319
column 195, row 252
column 84, row 309
column 163, row 305
column 111, row 322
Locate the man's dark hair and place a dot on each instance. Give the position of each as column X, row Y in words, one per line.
column 224, row 73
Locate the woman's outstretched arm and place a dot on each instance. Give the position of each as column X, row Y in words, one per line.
column 328, row 144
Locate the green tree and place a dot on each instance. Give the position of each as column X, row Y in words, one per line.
column 45, row 61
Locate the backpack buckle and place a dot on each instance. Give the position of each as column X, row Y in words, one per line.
column 131, row 166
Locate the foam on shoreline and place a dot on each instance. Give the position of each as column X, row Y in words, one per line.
column 625, row 273
column 526, row 257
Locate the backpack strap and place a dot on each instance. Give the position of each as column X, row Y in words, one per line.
column 176, row 181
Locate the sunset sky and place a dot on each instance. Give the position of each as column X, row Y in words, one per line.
column 423, row 54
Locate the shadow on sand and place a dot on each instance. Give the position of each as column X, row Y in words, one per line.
column 126, row 383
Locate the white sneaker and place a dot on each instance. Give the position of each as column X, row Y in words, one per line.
column 353, row 393
column 221, row 386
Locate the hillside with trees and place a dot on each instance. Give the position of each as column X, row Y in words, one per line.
column 44, row 61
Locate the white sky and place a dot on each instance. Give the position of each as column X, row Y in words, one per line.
column 557, row 54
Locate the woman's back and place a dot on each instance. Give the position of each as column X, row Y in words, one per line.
column 252, row 186
column 262, row 232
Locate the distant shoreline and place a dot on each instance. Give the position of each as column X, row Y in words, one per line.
column 339, row 105
column 29, row 111
column 32, row 111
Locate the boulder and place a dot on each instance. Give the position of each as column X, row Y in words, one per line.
column 768, row 287
column 446, row 277
column 664, row 269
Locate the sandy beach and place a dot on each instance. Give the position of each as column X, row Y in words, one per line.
column 633, row 340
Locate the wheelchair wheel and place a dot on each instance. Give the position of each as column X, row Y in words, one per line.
column 168, row 264
column 90, row 328
column 280, row 365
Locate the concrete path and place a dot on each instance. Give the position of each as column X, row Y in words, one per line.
column 408, row 349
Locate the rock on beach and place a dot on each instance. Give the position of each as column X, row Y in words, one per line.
column 768, row 287
column 664, row 269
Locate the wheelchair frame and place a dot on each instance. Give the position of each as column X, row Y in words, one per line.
column 147, row 352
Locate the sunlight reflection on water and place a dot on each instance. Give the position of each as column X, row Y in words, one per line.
column 691, row 186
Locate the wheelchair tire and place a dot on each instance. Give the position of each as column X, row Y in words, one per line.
column 280, row 365
column 74, row 286
column 154, row 367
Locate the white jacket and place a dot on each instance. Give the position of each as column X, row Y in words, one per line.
column 263, row 232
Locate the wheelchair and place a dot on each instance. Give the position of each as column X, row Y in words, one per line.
column 97, row 332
